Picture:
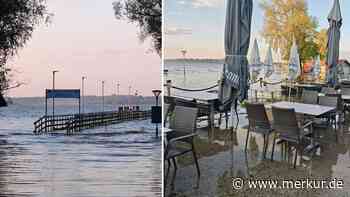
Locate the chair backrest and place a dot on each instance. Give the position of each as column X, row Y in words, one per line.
column 330, row 101
column 345, row 90
column 328, row 90
column 184, row 119
column 257, row 115
column 285, row 122
column 185, row 103
column 309, row 97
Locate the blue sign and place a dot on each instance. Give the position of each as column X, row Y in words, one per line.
column 63, row 93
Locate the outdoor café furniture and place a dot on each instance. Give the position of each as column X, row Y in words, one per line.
column 300, row 87
column 223, row 109
column 310, row 110
column 285, row 124
column 181, row 138
column 345, row 94
column 205, row 99
column 258, row 122
column 328, row 90
column 309, row 97
column 331, row 101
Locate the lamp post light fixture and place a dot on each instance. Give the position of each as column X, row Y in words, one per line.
column 156, row 93
column 82, row 92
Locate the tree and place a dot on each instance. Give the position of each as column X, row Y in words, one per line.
column 147, row 14
column 288, row 19
column 321, row 40
column 17, row 21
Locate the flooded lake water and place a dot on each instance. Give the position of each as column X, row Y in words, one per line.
column 117, row 160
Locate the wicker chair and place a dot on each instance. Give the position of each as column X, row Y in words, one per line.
column 285, row 124
column 331, row 101
column 181, row 140
column 258, row 123
column 310, row 97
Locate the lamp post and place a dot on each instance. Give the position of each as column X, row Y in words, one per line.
column 117, row 94
column 129, row 94
column 53, row 90
column 103, row 96
column 156, row 93
column 82, row 92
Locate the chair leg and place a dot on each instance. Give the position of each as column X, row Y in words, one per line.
column 295, row 157
column 226, row 118
column 273, row 146
column 220, row 117
column 174, row 176
column 246, row 141
column 197, row 165
column 264, row 146
column 167, row 173
column 196, row 162
column 267, row 144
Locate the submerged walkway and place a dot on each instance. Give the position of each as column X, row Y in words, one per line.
column 76, row 122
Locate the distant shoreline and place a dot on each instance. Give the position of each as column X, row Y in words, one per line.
column 195, row 60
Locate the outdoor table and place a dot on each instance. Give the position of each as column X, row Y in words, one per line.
column 345, row 97
column 202, row 96
column 305, row 109
column 304, row 86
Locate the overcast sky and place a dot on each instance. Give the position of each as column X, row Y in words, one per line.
column 84, row 38
column 198, row 26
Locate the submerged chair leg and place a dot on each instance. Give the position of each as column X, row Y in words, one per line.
column 273, row 146
column 246, row 141
column 197, row 165
column 174, row 176
column 266, row 142
column 295, row 157
column 167, row 174
column 226, row 118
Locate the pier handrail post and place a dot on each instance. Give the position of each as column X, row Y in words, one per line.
column 168, row 85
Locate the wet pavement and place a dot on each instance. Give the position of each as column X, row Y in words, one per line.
column 222, row 158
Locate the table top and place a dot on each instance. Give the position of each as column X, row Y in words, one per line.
column 302, row 108
column 345, row 97
column 202, row 96
column 305, row 85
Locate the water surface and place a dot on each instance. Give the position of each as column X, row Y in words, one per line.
column 117, row 160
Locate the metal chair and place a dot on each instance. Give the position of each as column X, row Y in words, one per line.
column 183, row 125
column 331, row 101
column 258, row 123
column 289, row 131
column 310, row 97
column 328, row 90
column 345, row 90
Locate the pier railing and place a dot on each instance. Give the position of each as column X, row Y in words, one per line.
column 75, row 122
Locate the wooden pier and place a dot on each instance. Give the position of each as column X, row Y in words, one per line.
column 75, row 122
